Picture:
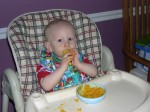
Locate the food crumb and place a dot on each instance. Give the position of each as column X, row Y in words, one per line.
column 76, row 100
column 79, row 110
column 61, row 106
column 62, row 110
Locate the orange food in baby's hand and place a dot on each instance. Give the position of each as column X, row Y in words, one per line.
column 67, row 51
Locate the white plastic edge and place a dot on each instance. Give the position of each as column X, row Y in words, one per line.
column 96, row 17
column 3, row 33
column 107, row 59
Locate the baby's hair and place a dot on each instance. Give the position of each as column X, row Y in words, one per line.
column 56, row 21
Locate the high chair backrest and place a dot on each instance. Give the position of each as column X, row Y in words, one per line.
column 26, row 38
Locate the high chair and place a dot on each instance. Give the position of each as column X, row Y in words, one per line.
column 136, row 20
column 26, row 38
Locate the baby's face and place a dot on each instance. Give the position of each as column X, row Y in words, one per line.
column 60, row 38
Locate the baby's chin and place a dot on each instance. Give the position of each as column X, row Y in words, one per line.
column 58, row 55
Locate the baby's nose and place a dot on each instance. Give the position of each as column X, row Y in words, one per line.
column 67, row 43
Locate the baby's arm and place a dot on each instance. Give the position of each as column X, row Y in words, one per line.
column 50, row 81
column 87, row 68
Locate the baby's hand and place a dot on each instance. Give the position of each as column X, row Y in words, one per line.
column 67, row 58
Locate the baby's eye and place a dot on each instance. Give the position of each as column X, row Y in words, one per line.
column 70, row 39
column 59, row 40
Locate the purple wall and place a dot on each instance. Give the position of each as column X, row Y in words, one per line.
column 112, row 37
column 10, row 10
column 111, row 31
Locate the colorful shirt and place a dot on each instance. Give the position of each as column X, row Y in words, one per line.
column 49, row 62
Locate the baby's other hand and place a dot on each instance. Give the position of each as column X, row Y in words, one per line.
column 75, row 61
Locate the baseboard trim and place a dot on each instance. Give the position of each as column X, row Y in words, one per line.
column 3, row 33
column 105, row 16
column 96, row 17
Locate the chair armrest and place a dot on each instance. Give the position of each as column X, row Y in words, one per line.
column 107, row 59
column 11, row 87
column 137, row 58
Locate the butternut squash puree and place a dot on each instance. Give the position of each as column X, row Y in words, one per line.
column 91, row 92
column 67, row 51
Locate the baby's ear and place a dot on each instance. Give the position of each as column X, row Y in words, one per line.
column 48, row 46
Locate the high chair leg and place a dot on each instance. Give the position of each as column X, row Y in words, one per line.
column 5, row 103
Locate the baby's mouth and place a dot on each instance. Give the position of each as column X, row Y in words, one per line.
column 67, row 51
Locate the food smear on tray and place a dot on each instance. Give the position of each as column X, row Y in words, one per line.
column 62, row 106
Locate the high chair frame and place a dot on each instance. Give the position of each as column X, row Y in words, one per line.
column 26, row 39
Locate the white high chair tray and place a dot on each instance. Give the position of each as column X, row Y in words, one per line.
column 124, row 93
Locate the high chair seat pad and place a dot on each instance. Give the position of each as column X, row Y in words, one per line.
column 26, row 36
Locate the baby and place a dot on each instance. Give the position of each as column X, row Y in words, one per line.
column 61, row 65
